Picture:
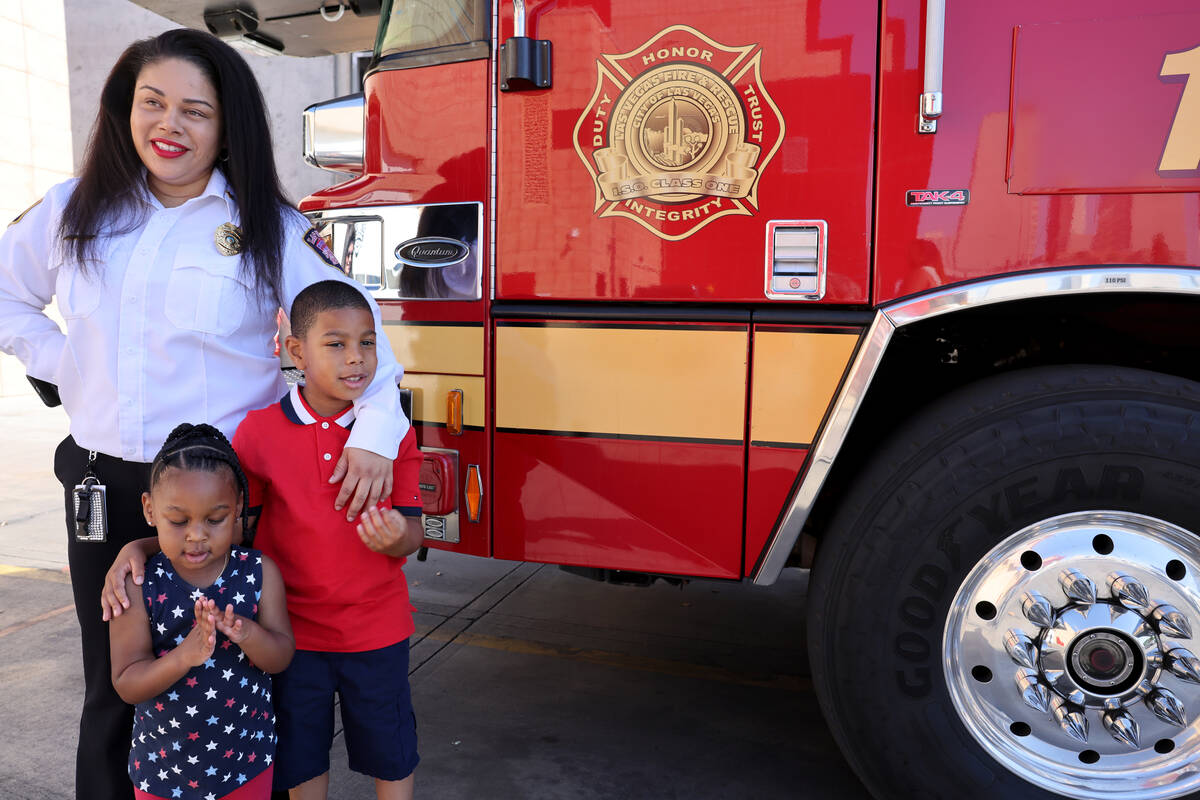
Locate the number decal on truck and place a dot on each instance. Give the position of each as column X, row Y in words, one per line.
column 1182, row 151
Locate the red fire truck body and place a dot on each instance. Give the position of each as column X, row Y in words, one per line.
column 910, row 288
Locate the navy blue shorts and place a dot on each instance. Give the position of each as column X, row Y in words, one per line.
column 377, row 714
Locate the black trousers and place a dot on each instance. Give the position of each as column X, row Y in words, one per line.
column 106, row 724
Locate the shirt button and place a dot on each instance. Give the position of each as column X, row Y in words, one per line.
column 328, row 457
column 324, row 424
column 128, row 451
column 132, row 299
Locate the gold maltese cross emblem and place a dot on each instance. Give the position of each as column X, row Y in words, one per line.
column 678, row 132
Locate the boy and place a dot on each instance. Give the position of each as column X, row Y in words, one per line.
column 346, row 591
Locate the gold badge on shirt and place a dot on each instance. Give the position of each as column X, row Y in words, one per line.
column 229, row 239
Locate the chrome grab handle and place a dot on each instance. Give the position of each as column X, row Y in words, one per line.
column 518, row 17
column 935, row 39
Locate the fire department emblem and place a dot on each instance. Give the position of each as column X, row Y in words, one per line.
column 678, row 132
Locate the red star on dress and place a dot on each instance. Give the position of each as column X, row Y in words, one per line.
column 162, row 598
column 162, row 753
column 192, row 682
column 194, row 735
column 137, row 764
column 158, row 706
column 229, row 754
column 244, row 556
column 229, row 703
column 251, row 757
column 225, row 644
column 194, row 784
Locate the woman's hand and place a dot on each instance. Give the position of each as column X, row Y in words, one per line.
column 131, row 560
column 368, row 477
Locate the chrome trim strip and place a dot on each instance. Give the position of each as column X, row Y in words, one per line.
column 1166, row 280
column 1178, row 280
column 820, row 460
column 492, row 143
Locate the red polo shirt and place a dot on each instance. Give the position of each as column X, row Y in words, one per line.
column 341, row 596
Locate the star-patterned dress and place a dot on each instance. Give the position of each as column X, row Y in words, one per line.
column 213, row 730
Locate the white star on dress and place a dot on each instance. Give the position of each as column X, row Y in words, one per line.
column 162, row 774
column 161, row 628
column 196, row 595
column 250, row 578
column 193, row 760
column 211, row 745
column 191, row 711
column 174, row 723
column 211, row 694
column 177, row 611
column 239, row 598
column 227, row 674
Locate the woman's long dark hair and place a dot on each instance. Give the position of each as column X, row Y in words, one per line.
column 112, row 171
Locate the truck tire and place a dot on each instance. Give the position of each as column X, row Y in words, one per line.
column 1003, row 605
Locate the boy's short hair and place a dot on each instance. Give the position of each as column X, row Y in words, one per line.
column 323, row 296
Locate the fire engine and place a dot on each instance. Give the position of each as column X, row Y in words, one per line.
column 902, row 291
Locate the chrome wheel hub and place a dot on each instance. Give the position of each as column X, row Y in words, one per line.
column 1066, row 655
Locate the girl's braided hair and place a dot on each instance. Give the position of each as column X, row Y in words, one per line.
column 202, row 447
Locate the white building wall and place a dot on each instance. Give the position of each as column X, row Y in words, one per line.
column 35, row 137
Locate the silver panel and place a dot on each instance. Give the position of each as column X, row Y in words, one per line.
column 365, row 241
column 1057, row 283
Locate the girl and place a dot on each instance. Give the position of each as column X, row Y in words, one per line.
column 202, row 632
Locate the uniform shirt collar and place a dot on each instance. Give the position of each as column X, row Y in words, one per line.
column 217, row 186
column 297, row 410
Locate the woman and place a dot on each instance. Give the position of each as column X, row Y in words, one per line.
column 169, row 257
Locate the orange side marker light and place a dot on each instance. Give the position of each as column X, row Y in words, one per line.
column 454, row 412
column 473, row 492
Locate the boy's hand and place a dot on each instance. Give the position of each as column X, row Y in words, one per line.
column 383, row 531
column 233, row 625
column 130, row 560
column 200, row 643
column 368, row 476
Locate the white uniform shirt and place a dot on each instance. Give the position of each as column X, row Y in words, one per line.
column 165, row 329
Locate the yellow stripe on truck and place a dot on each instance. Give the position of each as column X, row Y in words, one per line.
column 795, row 377
column 449, row 349
column 429, row 397
column 657, row 381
